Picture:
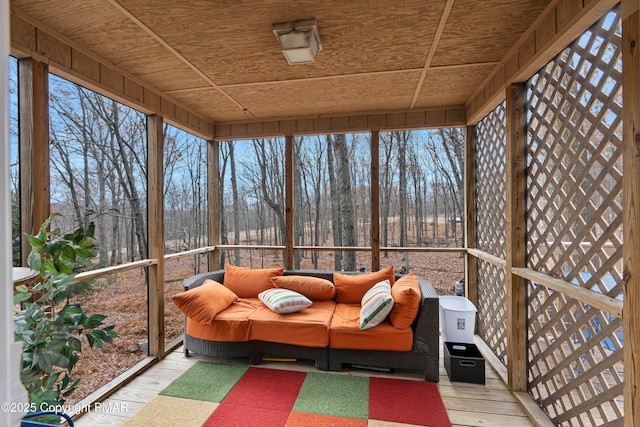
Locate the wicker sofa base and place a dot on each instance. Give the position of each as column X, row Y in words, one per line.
column 217, row 348
column 326, row 359
column 384, row 359
column 256, row 350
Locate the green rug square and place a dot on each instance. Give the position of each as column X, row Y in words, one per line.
column 334, row 394
column 206, row 381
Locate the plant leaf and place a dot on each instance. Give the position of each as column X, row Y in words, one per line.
column 91, row 230
column 35, row 242
column 21, row 297
column 34, row 261
column 84, row 253
column 75, row 344
column 22, row 288
column 50, row 265
column 68, row 254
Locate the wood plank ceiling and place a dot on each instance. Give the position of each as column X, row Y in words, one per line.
column 221, row 60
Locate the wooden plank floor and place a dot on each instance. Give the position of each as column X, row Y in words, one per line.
column 467, row 404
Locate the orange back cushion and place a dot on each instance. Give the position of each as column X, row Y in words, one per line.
column 350, row 288
column 248, row 283
column 406, row 297
column 313, row 288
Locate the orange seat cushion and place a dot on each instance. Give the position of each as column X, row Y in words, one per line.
column 248, row 283
column 203, row 303
column 314, row 288
column 406, row 301
column 308, row 327
column 230, row 325
column 350, row 288
column 345, row 332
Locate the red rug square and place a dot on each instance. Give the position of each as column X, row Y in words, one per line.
column 413, row 402
column 266, row 388
column 242, row 416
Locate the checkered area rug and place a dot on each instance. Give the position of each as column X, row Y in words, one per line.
column 215, row 394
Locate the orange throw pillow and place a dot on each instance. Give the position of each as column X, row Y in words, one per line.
column 203, row 303
column 313, row 288
column 350, row 288
column 406, row 297
column 248, row 283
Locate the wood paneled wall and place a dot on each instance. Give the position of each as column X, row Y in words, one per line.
column 454, row 116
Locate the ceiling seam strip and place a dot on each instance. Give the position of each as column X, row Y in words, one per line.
column 432, row 50
column 342, row 76
column 177, row 54
column 336, row 77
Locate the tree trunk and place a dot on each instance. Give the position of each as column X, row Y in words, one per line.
column 402, row 140
column 224, row 156
column 385, row 194
column 335, row 204
column 298, row 217
column 236, row 205
column 345, row 193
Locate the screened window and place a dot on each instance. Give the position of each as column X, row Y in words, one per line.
column 252, row 200
column 98, row 169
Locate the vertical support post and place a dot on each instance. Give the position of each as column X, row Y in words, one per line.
column 213, row 196
column 375, row 200
column 471, row 213
column 289, row 208
column 12, row 393
column 631, row 216
column 33, row 103
column 155, row 226
column 516, row 238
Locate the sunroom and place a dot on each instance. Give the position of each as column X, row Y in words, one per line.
column 478, row 142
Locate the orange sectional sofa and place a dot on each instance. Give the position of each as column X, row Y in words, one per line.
column 331, row 318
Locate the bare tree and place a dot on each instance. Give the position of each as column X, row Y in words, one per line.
column 269, row 179
column 310, row 159
column 335, row 203
column 386, row 187
column 185, row 181
column 345, row 196
column 224, row 160
column 128, row 155
column 446, row 149
column 299, row 205
column 402, row 139
column 236, row 202
column 417, row 177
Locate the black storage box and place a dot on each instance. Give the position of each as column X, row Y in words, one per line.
column 464, row 362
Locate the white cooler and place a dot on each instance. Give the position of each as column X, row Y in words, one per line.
column 457, row 319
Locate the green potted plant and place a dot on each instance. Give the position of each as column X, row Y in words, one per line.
column 49, row 326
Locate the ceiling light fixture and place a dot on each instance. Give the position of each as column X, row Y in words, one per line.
column 300, row 40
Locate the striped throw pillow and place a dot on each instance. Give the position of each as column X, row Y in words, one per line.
column 376, row 305
column 284, row 301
